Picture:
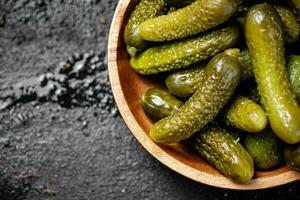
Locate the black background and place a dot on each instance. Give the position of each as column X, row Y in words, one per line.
column 99, row 161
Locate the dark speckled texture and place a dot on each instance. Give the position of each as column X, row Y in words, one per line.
column 78, row 153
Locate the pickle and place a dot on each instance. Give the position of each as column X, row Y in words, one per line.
column 222, row 75
column 265, row 40
column 246, row 115
column 293, row 66
column 289, row 22
column 265, row 148
column 292, row 156
column 183, row 53
column 179, row 3
column 223, row 151
column 290, row 25
column 183, row 83
column 145, row 10
column 197, row 17
column 158, row 103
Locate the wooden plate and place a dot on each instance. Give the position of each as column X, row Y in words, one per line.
column 127, row 86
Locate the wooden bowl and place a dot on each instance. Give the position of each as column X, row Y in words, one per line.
column 127, row 86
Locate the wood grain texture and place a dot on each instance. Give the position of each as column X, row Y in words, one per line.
column 127, row 86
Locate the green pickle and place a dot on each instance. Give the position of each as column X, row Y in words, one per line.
column 223, row 151
column 179, row 3
column 183, row 83
column 183, row 53
column 197, row 17
column 265, row 40
column 290, row 25
column 145, row 10
column 265, row 148
column 292, row 156
column 159, row 103
column 222, row 75
column 293, row 66
column 246, row 115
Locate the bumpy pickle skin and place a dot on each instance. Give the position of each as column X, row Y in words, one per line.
column 265, row 148
column 290, row 25
column 183, row 53
column 246, row 115
column 183, row 83
column 293, row 67
column 265, row 40
column 220, row 149
column 292, row 156
column 145, row 10
column 222, row 75
column 159, row 103
column 195, row 18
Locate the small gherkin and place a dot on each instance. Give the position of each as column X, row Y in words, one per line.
column 223, row 151
column 245, row 114
column 145, row 9
column 265, row 148
column 183, row 53
column 184, row 82
column 195, row 18
column 292, row 156
column 222, row 75
column 159, row 103
column 289, row 23
column 293, row 68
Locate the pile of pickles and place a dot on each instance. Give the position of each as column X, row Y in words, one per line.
column 232, row 82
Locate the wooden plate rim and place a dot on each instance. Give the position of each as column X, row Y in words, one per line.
column 153, row 148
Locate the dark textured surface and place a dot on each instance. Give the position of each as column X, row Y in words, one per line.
column 51, row 152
